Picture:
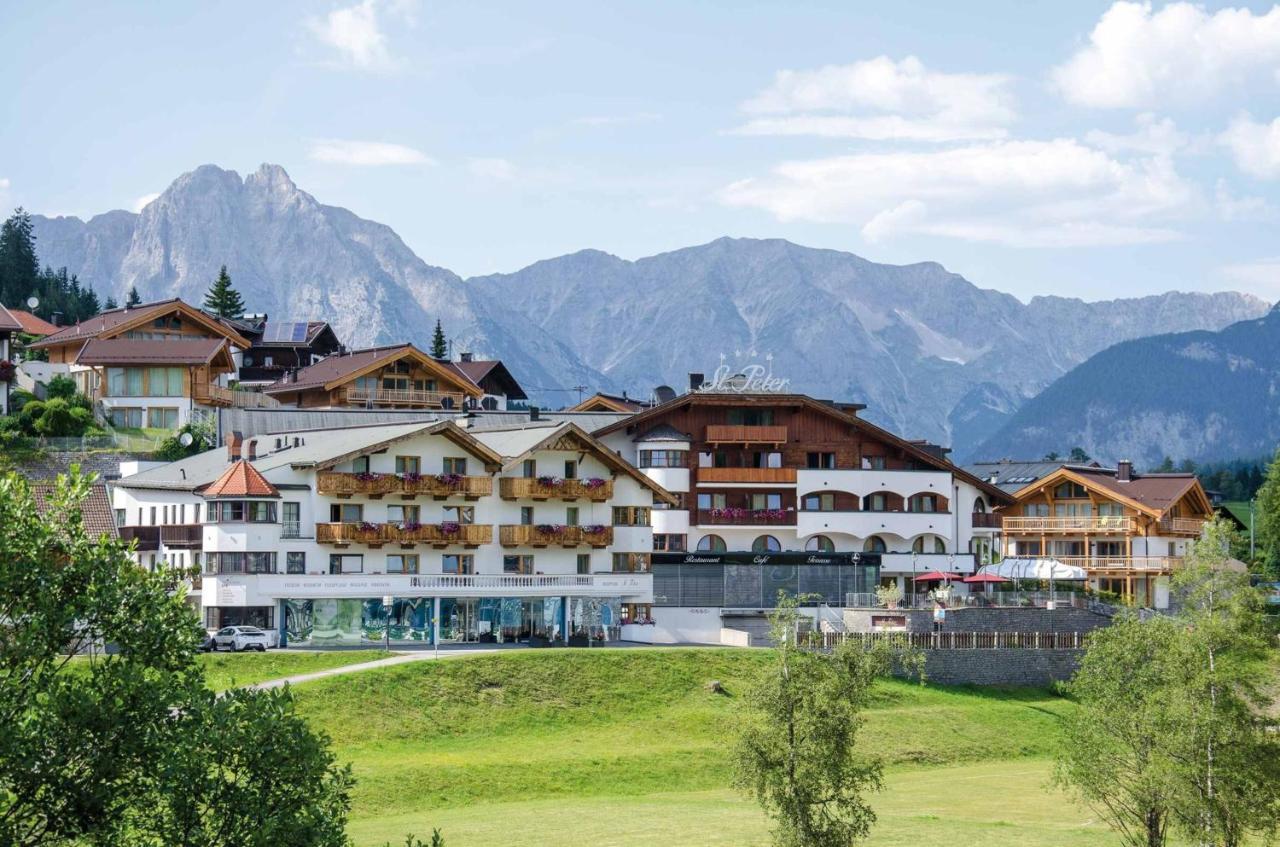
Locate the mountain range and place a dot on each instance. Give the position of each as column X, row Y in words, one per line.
column 930, row 353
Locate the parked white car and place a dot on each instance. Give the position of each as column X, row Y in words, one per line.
column 239, row 638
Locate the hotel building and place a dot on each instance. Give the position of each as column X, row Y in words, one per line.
column 536, row 532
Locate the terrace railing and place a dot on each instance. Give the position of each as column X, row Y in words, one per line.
column 554, row 488
column 377, row 534
column 549, row 535
column 441, row 486
column 951, row 640
column 1100, row 524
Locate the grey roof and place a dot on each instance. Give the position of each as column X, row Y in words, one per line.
column 517, row 440
column 589, row 421
column 1012, row 475
column 665, row 432
column 317, row 445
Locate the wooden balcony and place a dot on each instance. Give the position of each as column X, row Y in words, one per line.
column 1123, row 565
column 1093, row 524
column 1182, row 526
column 376, row 535
column 212, row 395
column 745, row 517
column 439, row 486
column 733, row 434
column 541, row 488
column 148, row 537
column 403, row 397
column 751, row 476
column 544, row 535
column 189, row 535
column 986, row 520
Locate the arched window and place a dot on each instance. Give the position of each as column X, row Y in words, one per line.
column 979, row 505
column 874, row 544
column 711, row 544
column 923, row 503
column 766, row 544
column 929, row 544
column 820, row 544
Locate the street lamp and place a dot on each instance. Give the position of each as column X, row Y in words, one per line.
column 386, row 629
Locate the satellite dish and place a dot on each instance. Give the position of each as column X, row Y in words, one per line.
column 32, row 302
column 185, row 439
column 664, row 394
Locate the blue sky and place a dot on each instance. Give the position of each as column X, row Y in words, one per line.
column 1092, row 149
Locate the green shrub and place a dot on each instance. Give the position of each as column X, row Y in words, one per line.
column 60, row 387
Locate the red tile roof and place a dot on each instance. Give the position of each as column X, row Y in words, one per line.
column 240, row 480
column 103, row 321
column 95, row 512
column 8, row 323
column 33, row 325
column 123, row 351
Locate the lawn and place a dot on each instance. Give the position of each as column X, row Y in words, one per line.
column 227, row 670
column 625, row 746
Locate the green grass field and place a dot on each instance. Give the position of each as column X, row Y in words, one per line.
column 228, row 670
column 627, row 746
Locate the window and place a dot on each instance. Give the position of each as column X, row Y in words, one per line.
column 164, row 382
column 630, row 515
column 240, row 563
column 820, row 544
column 121, row 517
column 404, row 515
column 923, row 503
column 455, row 464
column 1072, row 510
column 630, row 562
column 124, row 382
column 158, row 418
column 526, row 516
column 1069, row 490
column 1028, row 548
column 584, row 563
column 360, row 464
column 571, row 516
column 261, row 512
column 529, row 468
column 1036, row 510
column 402, row 563
column 295, row 562
column 126, row 418
column 465, row 515
column 711, row 544
column 979, row 506
column 408, row 465
column 760, row 502
column 874, row 544
column 517, row 564
column 229, row 511
column 751, row 417
column 873, row 463
column 458, row 564
column 877, row 503
column 928, row 544
column 290, row 520
column 346, row 512
column 1111, row 510
column 153, row 516
column 1109, row 548
column 819, row 503
column 570, row 469
column 712, row 501
column 706, row 460
column 825, row 461
column 669, row 542
column 195, row 513
column 346, row 563
column 663, row 458
column 765, row 544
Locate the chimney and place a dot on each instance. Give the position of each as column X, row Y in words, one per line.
column 696, row 380
column 234, row 440
column 466, row 357
column 253, row 449
column 534, row 411
column 1124, row 470
column 56, row 318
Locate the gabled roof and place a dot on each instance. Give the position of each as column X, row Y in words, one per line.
column 314, row 330
column 518, row 443
column 117, row 321
column 1151, row 494
column 31, row 324
column 600, row 402
column 332, row 371
column 124, row 351
column 242, row 479
column 96, row 513
column 8, row 322
column 916, row 451
column 664, row 432
column 477, row 371
column 447, row 429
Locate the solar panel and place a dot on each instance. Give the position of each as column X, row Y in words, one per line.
column 286, row 331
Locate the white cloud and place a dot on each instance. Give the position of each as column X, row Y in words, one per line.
column 1152, row 136
column 618, row 120
column 356, row 32
column 1247, row 208
column 143, row 201
column 334, row 151
column 1137, row 58
column 1261, row 276
column 500, row 170
column 882, row 99
column 1058, row 193
column 1255, row 146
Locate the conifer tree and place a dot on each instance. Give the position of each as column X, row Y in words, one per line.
column 1268, row 519
column 439, row 347
column 223, row 300
column 133, row 299
column 110, row 304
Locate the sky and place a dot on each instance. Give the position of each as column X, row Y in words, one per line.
column 1080, row 149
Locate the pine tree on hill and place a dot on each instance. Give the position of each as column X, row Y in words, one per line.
column 439, row 347
column 133, row 299
column 223, row 300
column 110, row 304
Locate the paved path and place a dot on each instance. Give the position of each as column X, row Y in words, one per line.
column 416, row 656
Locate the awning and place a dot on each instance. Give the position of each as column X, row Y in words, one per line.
column 1013, row 568
column 937, row 576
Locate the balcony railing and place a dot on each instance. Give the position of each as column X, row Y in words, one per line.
column 1182, row 526
column 1123, row 564
column 216, row 395
column 148, row 537
column 746, row 517
column 182, row 535
column 754, row 476
column 403, row 397
column 986, row 520
column 1110, row 524
column 338, row 484
column 736, row 434
column 548, row 535
column 377, row 534
column 553, row 488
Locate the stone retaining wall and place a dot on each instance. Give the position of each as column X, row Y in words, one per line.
column 985, row 619
column 1000, row 667
column 49, row 465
